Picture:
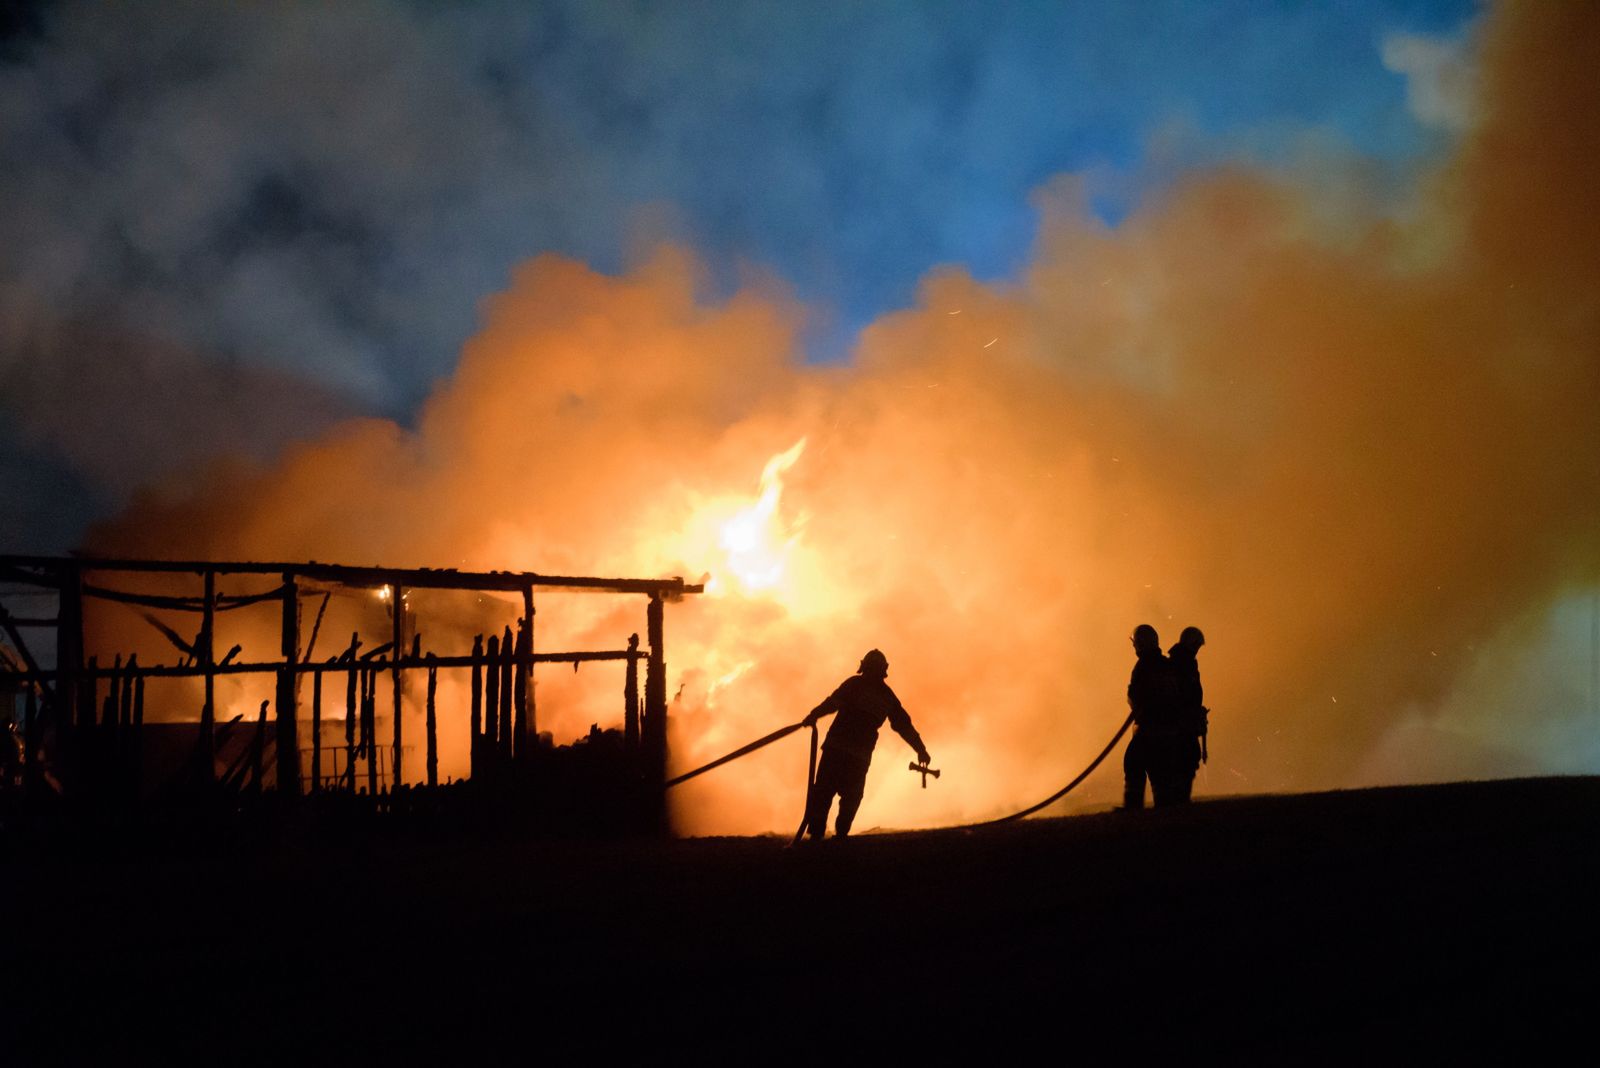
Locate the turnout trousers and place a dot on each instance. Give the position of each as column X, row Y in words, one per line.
column 839, row 773
column 1169, row 760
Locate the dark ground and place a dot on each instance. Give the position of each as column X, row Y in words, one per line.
column 1375, row 923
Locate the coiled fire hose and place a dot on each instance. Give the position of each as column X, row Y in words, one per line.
column 811, row 774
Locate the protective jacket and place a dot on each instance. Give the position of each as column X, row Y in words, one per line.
column 1190, row 694
column 862, row 704
column 1153, row 692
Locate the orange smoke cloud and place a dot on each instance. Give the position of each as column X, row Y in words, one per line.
column 1351, row 445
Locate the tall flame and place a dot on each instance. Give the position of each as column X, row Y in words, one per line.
column 756, row 543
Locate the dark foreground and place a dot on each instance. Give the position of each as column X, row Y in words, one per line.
column 1371, row 923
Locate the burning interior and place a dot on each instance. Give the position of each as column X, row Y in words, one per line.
column 97, row 734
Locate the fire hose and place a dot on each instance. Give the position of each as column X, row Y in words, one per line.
column 811, row 774
column 762, row 743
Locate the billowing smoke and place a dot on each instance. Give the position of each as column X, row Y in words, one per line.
column 1354, row 441
column 201, row 202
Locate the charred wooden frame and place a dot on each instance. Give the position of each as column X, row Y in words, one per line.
column 508, row 720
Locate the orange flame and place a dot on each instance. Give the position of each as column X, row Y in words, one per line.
column 756, row 542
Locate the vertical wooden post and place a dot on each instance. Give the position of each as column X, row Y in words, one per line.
column 527, row 721
column 125, row 696
column 350, row 712
column 491, row 701
column 316, row 732
column 397, row 605
column 288, row 703
column 87, row 739
column 433, row 723
column 507, row 654
column 655, row 692
column 475, row 752
column 88, row 696
column 208, row 660
column 630, row 699
column 519, row 694
column 363, row 712
column 369, row 730
column 138, row 736
column 69, row 669
column 125, row 726
column 106, row 737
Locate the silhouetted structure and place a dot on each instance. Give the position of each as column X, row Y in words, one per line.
column 91, row 740
column 862, row 702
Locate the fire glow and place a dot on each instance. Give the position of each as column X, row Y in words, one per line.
column 1271, row 427
column 755, row 540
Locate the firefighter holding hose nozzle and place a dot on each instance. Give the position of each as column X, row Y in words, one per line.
column 863, row 702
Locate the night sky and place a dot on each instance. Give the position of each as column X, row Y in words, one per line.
column 222, row 228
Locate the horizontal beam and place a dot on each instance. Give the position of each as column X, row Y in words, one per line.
column 426, row 577
column 224, row 602
column 404, row 663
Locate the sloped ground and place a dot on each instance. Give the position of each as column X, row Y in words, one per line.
column 1372, row 923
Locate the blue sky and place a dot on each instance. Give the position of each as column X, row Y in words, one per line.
column 322, row 194
column 852, row 147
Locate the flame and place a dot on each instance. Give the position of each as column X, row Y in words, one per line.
column 755, row 542
column 728, row 678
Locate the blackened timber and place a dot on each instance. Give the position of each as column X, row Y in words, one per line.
column 655, row 693
column 433, row 724
column 506, row 651
column 630, row 699
column 316, row 732
column 369, row 731
column 48, row 578
column 316, row 628
column 11, row 623
column 87, row 695
column 397, row 602
column 364, row 730
column 208, row 711
column 172, row 636
column 138, row 735
column 371, row 577
column 113, row 703
column 83, row 735
column 350, row 712
column 105, row 738
column 125, row 734
column 223, row 602
column 288, row 748
column 491, row 698
column 304, row 667
column 528, row 717
column 473, row 753
column 519, row 695
column 125, row 697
